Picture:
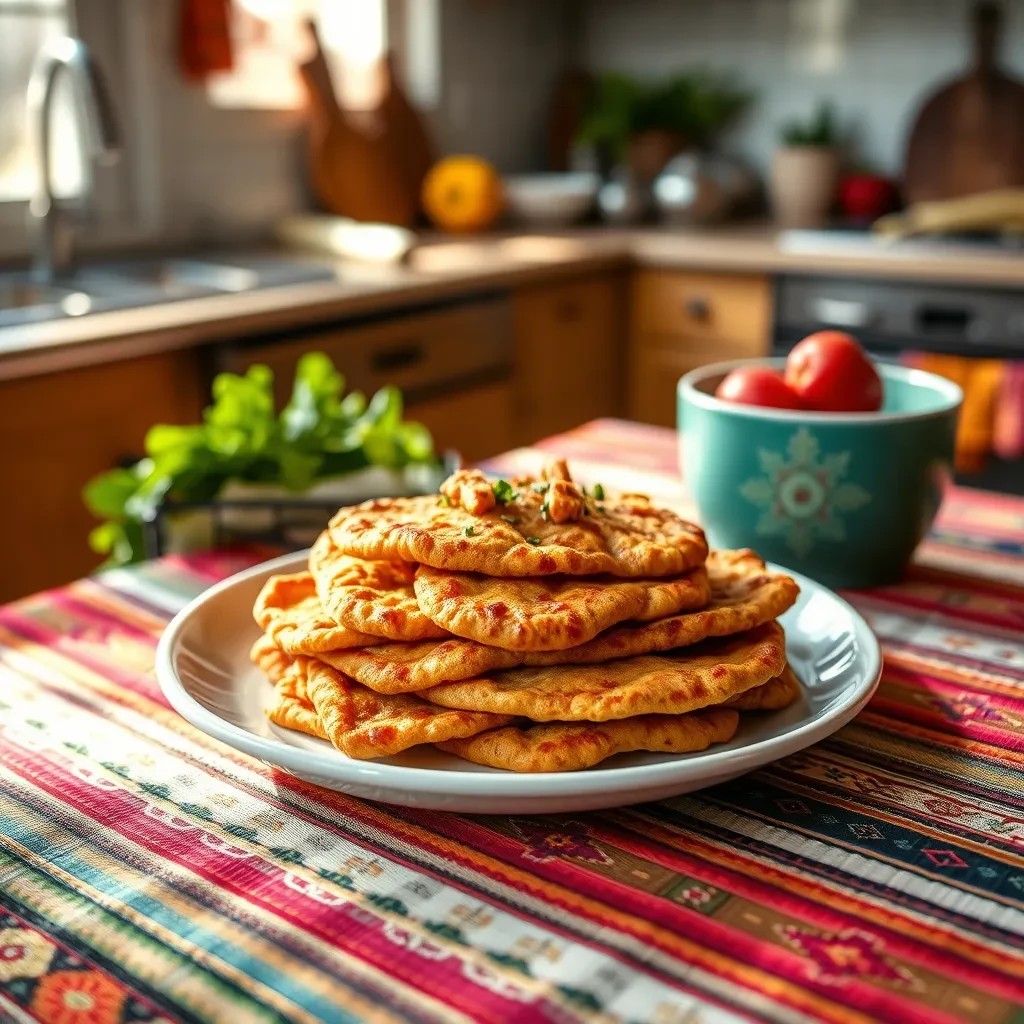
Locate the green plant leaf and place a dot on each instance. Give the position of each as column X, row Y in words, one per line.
column 416, row 442
column 321, row 432
column 315, row 398
column 820, row 129
column 102, row 538
column 695, row 105
column 105, row 495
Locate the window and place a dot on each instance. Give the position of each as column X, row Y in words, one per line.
column 125, row 202
column 269, row 39
column 24, row 26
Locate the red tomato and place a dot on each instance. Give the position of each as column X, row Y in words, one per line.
column 757, row 385
column 832, row 373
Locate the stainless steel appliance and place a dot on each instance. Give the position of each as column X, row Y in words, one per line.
column 892, row 317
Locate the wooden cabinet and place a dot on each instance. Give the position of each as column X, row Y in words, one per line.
column 681, row 320
column 58, row 430
column 453, row 363
column 478, row 422
column 570, row 354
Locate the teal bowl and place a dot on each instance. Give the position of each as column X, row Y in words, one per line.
column 842, row 497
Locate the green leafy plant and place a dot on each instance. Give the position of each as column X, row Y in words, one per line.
column 819, row 130
column 696, row 105
column 322, row 432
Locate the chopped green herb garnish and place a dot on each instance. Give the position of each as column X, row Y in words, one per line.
column 533, row 540
column 541, row 488
column 504, row 492
column 469, row 531
column 598, row 492
column 445, row 501
column 511, row 520
column 545, row 509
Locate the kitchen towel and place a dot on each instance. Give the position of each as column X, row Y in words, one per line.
column 982, row 384
column 1008, row 429
column 204, row 41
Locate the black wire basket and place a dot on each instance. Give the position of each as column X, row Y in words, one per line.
column 287, row 523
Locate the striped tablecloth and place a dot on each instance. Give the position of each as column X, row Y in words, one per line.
column 150, row 873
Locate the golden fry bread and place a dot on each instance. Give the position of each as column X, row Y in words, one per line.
column 289, row 611
column 270, row 659
column 743, row 595
column 290, row 709
column 668, row 684
column 570, row 746
column 623, row 536
column 549, row 613
column 364, row 724
column 777, row 693
column 406, row 668
column 371, row 597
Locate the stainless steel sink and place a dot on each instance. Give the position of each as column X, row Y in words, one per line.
column 131, row 284
column 23, row 294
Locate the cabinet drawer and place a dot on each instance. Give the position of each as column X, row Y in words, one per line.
column 708, row 307
column 425, row 353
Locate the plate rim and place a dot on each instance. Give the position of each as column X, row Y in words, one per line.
column 441, row 781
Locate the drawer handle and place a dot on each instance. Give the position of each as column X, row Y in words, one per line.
column 400, row 357
column 697, row 308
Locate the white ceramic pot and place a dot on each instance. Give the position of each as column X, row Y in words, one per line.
column 803, row 185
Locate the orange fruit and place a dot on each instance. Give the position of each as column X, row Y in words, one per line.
column 463, row 193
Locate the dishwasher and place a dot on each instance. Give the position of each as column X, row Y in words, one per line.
column 452, row 361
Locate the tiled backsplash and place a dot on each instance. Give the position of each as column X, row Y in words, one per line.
column 875, row 59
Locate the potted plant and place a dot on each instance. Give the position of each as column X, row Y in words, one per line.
column 805, row 171
column 643, row 125
column 244, row 457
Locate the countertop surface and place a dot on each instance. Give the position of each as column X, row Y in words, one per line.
column 152, row 873
column 444, row 268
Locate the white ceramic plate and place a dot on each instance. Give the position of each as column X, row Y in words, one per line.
column 205, row 672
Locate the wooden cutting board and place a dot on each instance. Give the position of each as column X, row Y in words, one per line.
column 969, row 136
column 407, row 127
column 356, row 166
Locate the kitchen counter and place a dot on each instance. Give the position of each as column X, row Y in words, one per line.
column 445, row 268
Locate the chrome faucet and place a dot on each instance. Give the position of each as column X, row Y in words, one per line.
column 50, row 220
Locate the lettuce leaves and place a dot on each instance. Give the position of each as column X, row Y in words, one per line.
column 322, row 432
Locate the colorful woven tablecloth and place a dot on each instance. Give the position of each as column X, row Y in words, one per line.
column 149, row 873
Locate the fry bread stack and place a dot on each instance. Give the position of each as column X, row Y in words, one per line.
column 526, row 625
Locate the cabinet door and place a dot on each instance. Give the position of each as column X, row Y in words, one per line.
column 58, row 430
column 476, row 422
column 569, row 354
column 680, row 321
column 652, row 395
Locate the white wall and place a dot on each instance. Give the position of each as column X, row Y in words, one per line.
column 875, row 59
